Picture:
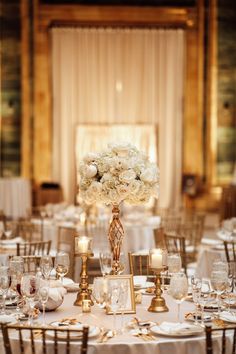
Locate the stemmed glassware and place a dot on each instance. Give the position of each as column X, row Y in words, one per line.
column 29, row 291
column 4, row 286
column 178, row 289
column 100, row 290
column 46, row 266
column 16, row 267
column 205, row 297
column 174, row 263
column 62, row 264
column 113, row 296
column 105, row 259
column 219, row 281
column 196, row 284
column 43, row 293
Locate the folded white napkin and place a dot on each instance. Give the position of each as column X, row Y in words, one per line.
column 227, row 316
column 7, row 319
column 171, row 327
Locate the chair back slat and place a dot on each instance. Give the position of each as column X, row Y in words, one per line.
column 226, row 345
column 28, row 334
column 230, row 251
column 33, row 248
column 139, row 264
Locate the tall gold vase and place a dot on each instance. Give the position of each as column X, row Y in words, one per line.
column 116, row 236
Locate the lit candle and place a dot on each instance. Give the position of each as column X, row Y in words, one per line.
column 83, row 244
column 156, row 258
column 86, row 306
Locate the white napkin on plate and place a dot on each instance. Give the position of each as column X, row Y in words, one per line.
column 7, row 319
column 227, row 316
column 171, row 327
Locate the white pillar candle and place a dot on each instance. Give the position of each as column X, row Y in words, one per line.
column 83, row 244
column 156, row 259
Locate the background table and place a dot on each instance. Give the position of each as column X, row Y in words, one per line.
column 15, row 197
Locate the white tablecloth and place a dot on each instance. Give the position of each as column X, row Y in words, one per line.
column 126, row 343
column 15, row 197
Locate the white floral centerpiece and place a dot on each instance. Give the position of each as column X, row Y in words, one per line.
column 120, row 173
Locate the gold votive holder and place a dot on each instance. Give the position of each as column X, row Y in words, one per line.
column 86, row 306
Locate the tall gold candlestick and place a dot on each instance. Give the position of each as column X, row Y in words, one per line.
column 84, row 292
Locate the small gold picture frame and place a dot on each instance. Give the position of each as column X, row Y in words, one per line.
column 126, row 281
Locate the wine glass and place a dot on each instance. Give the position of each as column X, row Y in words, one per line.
column 196, row 284
column 219, row 281
column 174, row 263
column 100, row 288
column 4, row 286
column 105, row 259
column 46, row 266
column 205, row 297
column 178, row 289
column 29, row 291
column 16, row 266
column 113, row 299
column 43, row 293
column 62, row 264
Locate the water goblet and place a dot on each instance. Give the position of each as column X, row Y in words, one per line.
column 43, row 292
column 105, row 259
column 174, row 263
column 196, row 284
column 113, row 299
column 219, row 280
column 100, row 290
column 4, row 286
column 204, row 297
column 46, row 266
column 178, row 289
column 29, row 291
column 62, row 263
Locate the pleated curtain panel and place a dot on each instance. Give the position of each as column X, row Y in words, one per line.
column 118, row 76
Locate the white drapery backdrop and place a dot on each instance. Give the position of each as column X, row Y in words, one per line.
column 118, row 76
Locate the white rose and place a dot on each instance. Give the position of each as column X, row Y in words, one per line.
column 90, row 157
column 134, row 186
column 114, row 196
column 96, row 187
column 149, row 175
column 122, row 190
column 127, row 176
column 121, row 149
column 155, row 190
column 106, row 177
column 90, row 171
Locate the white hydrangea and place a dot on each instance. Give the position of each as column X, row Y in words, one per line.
column 119, row 173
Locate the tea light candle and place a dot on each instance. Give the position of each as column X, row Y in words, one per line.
column 83, row 244
column 86, row 306
column 156, row 258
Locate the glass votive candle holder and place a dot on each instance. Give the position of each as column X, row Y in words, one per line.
column 86, row 306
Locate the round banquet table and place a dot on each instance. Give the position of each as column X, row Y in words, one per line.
column 126, row 343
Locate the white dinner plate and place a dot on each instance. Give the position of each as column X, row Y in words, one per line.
column 93, row 330
column 190, row 330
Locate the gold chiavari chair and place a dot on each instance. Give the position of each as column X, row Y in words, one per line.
column 191, row 231
column 46, row 340
column 33, row 248
column 171, row 224
column 230, row 251
column 139, row 264
column 176, row 244
column 226, row 346
column 29, row 231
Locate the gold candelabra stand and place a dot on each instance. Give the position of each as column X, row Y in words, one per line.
column 158, row 303
column 116, row 236
column 84, row 292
